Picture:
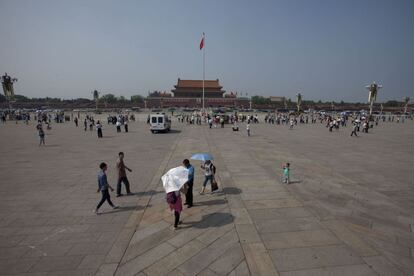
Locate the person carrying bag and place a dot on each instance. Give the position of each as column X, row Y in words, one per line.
column 209, row 172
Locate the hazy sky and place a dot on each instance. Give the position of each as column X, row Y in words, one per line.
column 327, row 50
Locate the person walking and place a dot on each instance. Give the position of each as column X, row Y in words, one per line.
column 248, row 128
column 99, row 129
column 90, row 125
column 190, row 183
column 41, row 136
column 118, row 126
column 210, row 122
column 85, row 124
column 103, row 187
column 286, row 173
column 126, row 125
column 122, row 177
column 354, row 129
column 208, row 168
column 76, row 121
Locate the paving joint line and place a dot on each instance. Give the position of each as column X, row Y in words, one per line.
column 154, row 180
column 215, row 150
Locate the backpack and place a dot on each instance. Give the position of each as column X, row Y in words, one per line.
column 171, row 198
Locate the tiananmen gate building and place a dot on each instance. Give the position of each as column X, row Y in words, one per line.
column 189, row 93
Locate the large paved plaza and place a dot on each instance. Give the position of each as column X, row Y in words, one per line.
column 349, row 209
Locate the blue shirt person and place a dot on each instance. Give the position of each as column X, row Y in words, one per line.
column 190, row 182
column 103, row 188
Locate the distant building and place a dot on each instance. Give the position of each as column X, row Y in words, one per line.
column 275, row 99
column 194, row 89
column 189, row 93
column 159, row 94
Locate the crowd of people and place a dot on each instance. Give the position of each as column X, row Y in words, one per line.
column 333, row 122
column 174, row 198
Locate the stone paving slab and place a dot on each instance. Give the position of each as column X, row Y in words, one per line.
column 175, row 259
column 272, row 203
column 258, row 259
column 314, row 257
column 333, row 219
column 241, row 270
column 57, row 263
column 288, row 225
column 143, row 261
column 382, row 266
column 355, row 270
column 350, row 239
column 228, row 261
column 299, row 239
column 206, row 256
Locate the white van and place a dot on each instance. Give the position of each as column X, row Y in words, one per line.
column 159, row 122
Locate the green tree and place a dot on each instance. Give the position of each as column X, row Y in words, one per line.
column 260, row 100
column 21, row 98
column 109, row 98
column 137, row 99
column 393, row 103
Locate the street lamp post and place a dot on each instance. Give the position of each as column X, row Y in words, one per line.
column 299, row 101
column 372, row 96
column 7, row 83
column 406, row 101
column 95, row 94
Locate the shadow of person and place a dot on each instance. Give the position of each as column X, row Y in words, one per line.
column 52, row 145
column 150, row 192
column 210, row 202
column 212, row 220
column 231, row 191
column 172, row 131
column 122, row 209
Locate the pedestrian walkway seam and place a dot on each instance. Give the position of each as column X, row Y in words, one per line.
column 155, row 180
column 222, row 166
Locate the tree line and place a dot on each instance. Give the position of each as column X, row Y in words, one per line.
column 112, row 99
column 108, row 98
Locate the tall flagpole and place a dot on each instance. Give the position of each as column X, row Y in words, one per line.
column 204, row 66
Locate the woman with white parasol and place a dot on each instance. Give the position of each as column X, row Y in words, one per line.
column 173, row 182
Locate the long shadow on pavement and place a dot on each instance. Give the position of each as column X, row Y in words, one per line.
column 231, row 191
column 212, row 220
column 150, row 192
column 210, row 202
column 122, row 209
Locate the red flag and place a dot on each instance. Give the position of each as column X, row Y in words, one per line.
column 202, row 42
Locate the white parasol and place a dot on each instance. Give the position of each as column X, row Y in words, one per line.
column 174, row 179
